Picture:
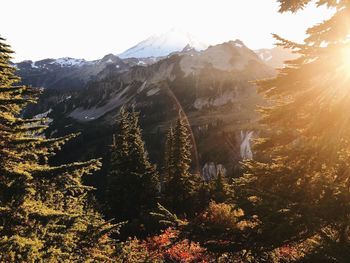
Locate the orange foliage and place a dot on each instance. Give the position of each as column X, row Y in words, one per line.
column 225, row 216
column 166, row 247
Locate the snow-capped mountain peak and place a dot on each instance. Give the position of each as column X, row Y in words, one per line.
column 164, row 44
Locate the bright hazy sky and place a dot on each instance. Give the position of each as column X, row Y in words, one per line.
column 90, row 29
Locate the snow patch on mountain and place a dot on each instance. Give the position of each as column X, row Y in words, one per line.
column 42, row 115
column 265, row 55
column 68, row 62
column 275, row 57
column 164, row 44
column 33, row 65
column 142, row 87
column 152, row 92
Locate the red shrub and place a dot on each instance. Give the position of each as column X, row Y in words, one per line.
column 166, row 247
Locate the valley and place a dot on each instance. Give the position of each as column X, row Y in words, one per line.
column 214, row 87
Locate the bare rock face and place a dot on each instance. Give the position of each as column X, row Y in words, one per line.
column 211, row 170
column 245, row 146
column 230, row 56
column 275, row 57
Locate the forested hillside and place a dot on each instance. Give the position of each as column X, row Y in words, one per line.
column 207, row 155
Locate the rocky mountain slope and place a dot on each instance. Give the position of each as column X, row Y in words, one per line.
column 214, row 78
column 275, row 57
column 212, row 87
column 70, row 73
column 73, row 74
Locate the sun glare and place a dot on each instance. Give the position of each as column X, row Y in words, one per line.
column 345, row 61
column 347, row 58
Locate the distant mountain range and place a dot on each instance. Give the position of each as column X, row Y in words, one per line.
column 213, row 86
column 73, row 73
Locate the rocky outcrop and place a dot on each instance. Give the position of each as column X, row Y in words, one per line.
column 245, row 146
column 211, row 170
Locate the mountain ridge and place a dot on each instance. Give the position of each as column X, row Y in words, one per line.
column 163, row 44
column 213, row 87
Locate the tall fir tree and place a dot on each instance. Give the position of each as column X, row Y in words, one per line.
column 141, row 166
column 117, row 199
column 299, row 183
column 133, row 182
column 220, row 189
column 180, row 185
column 168, row 157
column 44, row 210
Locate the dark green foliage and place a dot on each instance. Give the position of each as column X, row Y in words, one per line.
column 168, row 156
column 167, row 218
column 44, row 210
column 132, row 182
column 119, row 169
column 141, row 165
column 220, row 189
column 217, row 189
column 180, row 186
column 299, row 184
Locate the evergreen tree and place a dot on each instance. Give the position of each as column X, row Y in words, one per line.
column 180, row 184
column 220, row 189
column 118, row 177
column 168, row 156
column 141, row 166
column 133, row 183
column 203, row 195
column 299, row 183
column 45, row 215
